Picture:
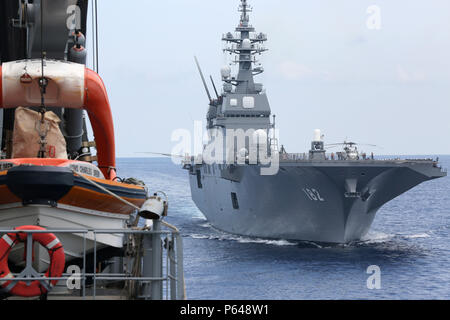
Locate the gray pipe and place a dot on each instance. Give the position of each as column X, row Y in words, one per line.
column 74, row 117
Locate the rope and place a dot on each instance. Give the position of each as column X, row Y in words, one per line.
column 106, row 190
column 43, row 82
column 43, row 129
column 168, row 225
column 82, row 155
column 136, row 268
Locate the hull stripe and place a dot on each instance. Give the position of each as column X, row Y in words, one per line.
column 8, row 240
column 52, row 244
column 6, row 278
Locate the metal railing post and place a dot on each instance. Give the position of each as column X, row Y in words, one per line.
column 147, row 267
column 95, row 266
column 181, row 289
column 157, row 287
column 84, row 266
column 173, row 277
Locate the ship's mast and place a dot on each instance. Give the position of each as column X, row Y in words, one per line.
column 245, row 44
column 244, row 8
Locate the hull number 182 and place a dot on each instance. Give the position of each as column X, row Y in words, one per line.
column 313, row 194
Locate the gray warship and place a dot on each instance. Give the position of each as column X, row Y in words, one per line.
column 314, row 196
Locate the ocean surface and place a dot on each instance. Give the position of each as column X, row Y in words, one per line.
column 409, row 242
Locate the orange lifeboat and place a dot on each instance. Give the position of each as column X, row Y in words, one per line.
column 60, row 183
column 71, row 85
column 62, row 193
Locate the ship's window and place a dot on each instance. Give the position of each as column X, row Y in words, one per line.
column 248, row 102
column 234, row 201
column 199, row 179
column 233, row 102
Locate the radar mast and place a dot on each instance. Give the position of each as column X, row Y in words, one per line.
column 244, row 45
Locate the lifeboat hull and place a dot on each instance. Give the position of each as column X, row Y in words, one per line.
column 49, row 193
column 62, row 218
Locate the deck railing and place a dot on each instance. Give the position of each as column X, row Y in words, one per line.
column 335, row 157
column 160, row 262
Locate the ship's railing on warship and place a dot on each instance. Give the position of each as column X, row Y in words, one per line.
column 150, row 269
column 336, row 157
column 328, row 156
column 236, row 36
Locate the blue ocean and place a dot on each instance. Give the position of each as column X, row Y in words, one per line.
column 409, row 242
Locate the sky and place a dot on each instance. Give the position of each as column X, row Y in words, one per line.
column 374, row 77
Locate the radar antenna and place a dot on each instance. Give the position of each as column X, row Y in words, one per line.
column 244, row 8
column 203, row 79
column 243, row 46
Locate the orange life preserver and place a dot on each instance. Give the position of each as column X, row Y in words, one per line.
column 55, row 270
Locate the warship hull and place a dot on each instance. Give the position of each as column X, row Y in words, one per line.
column 312, row 197
column 320, row 201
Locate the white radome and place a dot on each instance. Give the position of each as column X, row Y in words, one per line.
column 225, row 72
column 317, row 135
column 246, row 44
column 260, row 136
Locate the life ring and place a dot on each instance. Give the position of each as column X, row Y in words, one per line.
column 55, row 270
